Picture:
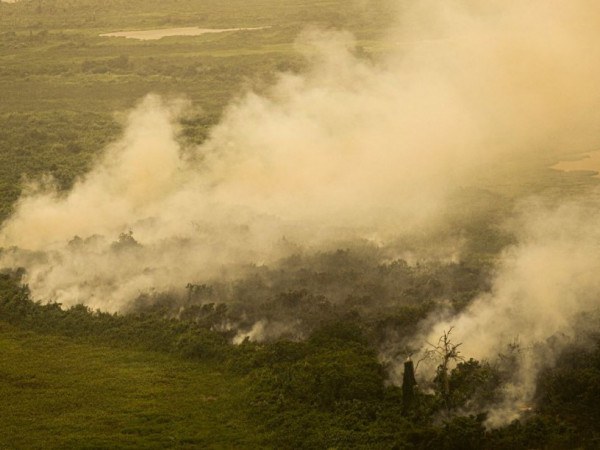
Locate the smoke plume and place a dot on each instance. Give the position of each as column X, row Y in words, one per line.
column 542, row 287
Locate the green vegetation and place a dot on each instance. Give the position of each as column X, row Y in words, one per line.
column 59, row 393
column 89, row 379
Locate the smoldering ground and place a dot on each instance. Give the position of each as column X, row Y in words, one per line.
column 382, row 150
column 544, row 296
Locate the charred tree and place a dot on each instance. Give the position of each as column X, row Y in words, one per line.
column 408, row 386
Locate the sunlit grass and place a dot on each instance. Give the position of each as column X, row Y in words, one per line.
column 57, row 393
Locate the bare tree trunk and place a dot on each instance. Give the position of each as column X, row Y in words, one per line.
column 408, row 386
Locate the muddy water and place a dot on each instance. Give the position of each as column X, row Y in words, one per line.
column 589, row 162
column 149, row 35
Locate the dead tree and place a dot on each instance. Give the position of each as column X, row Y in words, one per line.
column 446, row 352
column 409, row 384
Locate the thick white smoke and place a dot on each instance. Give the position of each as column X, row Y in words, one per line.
column 542, row 287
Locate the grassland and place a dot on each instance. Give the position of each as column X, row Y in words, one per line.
column 58, row 393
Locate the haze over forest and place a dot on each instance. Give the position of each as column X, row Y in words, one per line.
column 306, row 199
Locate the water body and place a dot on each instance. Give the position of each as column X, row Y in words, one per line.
column 150, row 35
column 587, row 162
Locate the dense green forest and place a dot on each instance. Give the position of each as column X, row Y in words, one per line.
column 180, row 368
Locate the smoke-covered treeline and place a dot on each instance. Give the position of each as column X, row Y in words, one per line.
column 330, row 388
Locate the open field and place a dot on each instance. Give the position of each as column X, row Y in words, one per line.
column 57, row 393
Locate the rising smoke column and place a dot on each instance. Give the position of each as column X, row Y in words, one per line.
column 543, row 287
